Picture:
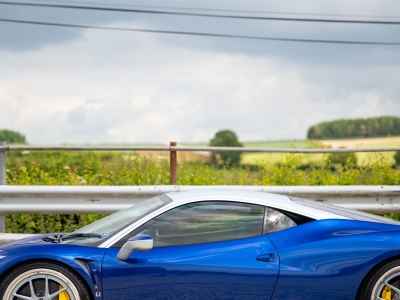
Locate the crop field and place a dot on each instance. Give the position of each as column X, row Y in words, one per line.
column 316, row 159
column 363, row 158
column 274, row 158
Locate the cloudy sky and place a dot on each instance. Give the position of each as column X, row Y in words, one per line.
column 66, row 85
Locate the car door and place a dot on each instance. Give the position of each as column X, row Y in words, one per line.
column 202, row 250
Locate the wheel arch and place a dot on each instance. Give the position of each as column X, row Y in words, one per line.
column 51, row 261
column 371, row 272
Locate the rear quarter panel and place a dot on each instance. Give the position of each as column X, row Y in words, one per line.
column 328, row 259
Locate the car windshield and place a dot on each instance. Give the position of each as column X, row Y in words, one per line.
column 344, row 212
column 97, row 232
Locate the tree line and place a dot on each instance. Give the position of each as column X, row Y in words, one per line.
column 371, row 127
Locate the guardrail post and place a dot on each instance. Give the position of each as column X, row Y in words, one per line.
column 172, row 165
column 3, row 170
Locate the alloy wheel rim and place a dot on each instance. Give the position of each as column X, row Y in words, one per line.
column 390, row 279
column 41, row 284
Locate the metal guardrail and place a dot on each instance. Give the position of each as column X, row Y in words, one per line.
column 109, row 199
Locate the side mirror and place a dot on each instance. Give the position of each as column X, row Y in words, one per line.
column 141, row 243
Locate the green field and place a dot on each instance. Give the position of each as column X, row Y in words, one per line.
column 316, row 159
column 363, row 158
column 274, row 158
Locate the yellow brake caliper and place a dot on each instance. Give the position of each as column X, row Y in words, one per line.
column 64, row 295
column 386, row 293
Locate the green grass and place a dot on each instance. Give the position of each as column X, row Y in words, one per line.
column 301, row 144
column 317, row 159
column 271, row 144
column 364, row 159
column 114, row 168
column 275, row 158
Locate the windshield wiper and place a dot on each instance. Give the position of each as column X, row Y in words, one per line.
column 70, row 236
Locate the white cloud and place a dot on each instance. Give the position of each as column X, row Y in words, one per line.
column 372, row 105
column 124, row 87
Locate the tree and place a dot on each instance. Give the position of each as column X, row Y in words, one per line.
column 225, row 138
column 10, row 137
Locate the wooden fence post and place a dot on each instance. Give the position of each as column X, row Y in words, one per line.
column 172, row 165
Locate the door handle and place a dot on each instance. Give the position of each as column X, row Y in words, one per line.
column 266, row 257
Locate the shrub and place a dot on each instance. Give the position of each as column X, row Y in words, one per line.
column 397, row 158
column 343, row 159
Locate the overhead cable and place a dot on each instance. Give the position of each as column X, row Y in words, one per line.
column 226, row 10
column 202, row 34
column 199, row 14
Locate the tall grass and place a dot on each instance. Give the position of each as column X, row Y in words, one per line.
column 62, row 168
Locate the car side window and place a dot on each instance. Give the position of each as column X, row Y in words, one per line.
column 275, row 220
column 204, row 222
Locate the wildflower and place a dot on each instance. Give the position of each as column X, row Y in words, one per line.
column 81, row 180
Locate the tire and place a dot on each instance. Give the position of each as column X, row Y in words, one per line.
column 384, row 283
column 29, row 280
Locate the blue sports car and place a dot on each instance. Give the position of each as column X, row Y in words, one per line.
column 211, row 244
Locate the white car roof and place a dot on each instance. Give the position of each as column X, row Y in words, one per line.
column 271, row 200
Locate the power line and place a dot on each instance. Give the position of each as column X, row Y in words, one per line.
column 202, row 34
column 197, row 14
column 228, row 10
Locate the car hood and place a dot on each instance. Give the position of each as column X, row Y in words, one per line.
column 36, row 239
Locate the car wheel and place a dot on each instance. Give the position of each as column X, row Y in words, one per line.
column 384, row 284
column 42, row 281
